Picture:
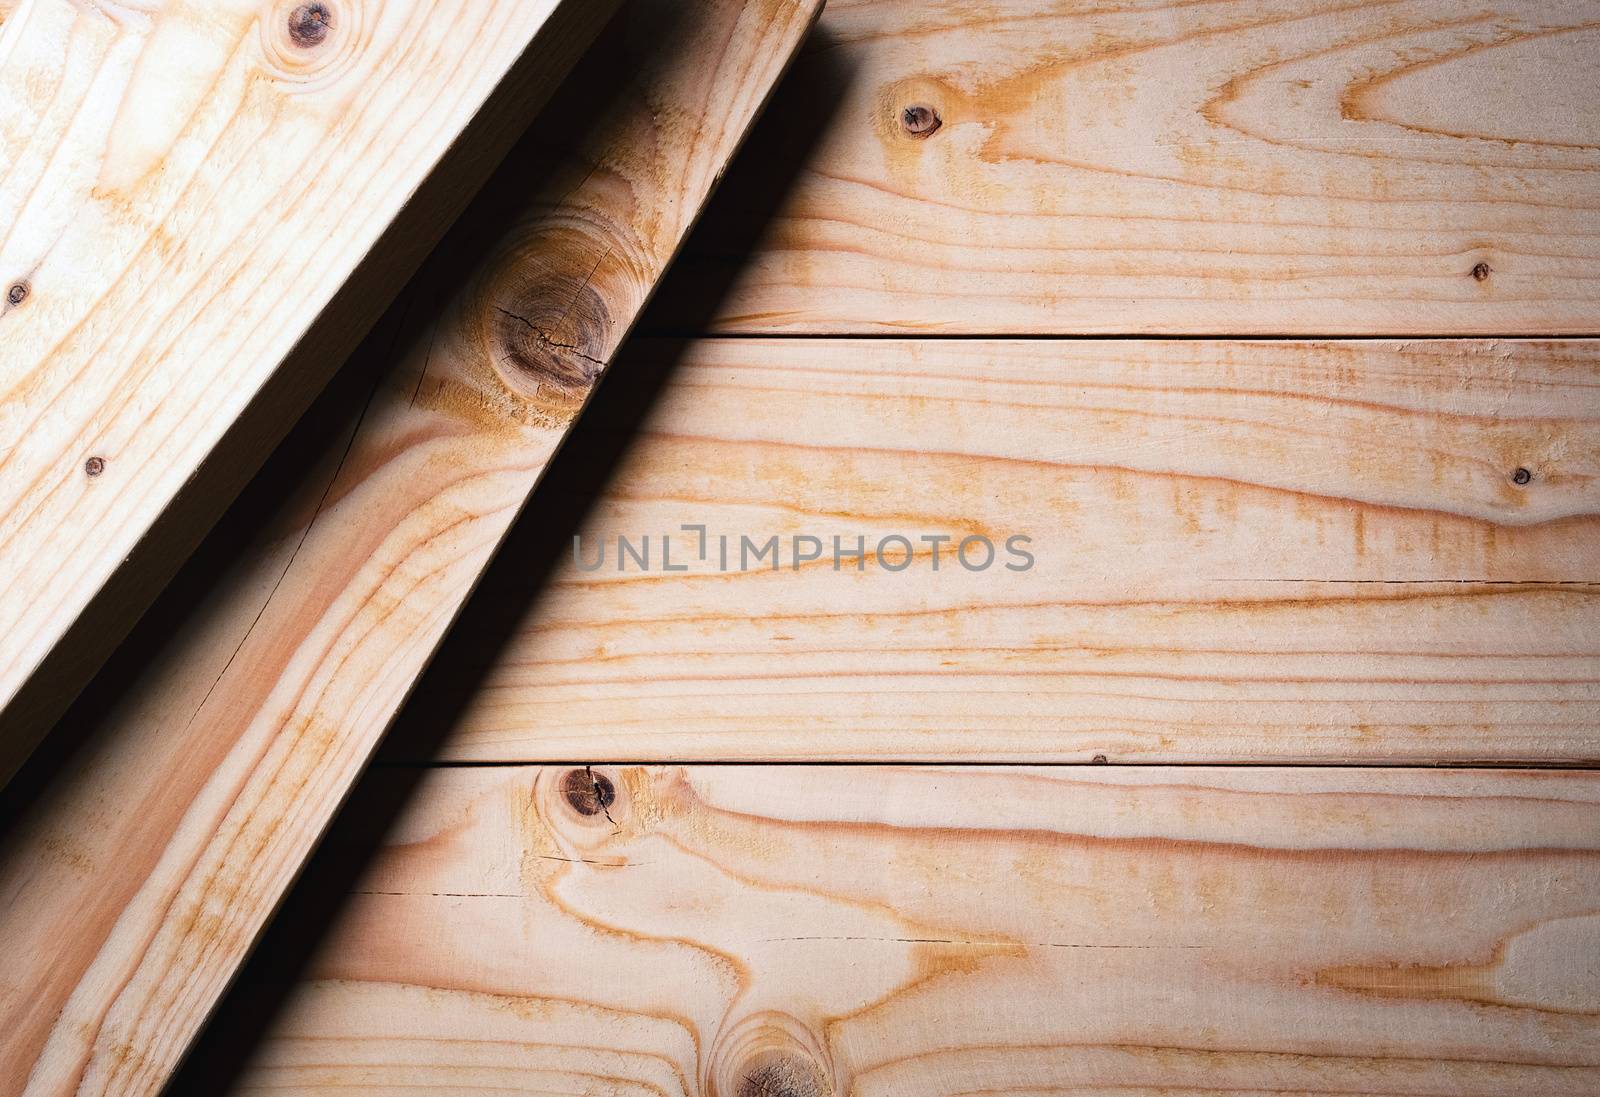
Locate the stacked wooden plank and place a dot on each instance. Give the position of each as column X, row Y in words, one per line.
column 817, row 930
column 1263, row 551
column 250, row 718
column 201, row 211
column 1233, row 168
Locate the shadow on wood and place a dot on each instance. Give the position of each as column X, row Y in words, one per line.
column 759, row 180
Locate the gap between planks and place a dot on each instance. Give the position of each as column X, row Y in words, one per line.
column 983, row 763
column 1123, row 336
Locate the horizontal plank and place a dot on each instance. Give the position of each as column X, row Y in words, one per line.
column 202, row 209
column 1293, row 167
column 240, row 714
column 805, row 931
column 1242, row 551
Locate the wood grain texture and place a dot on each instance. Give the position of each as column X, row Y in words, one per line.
column 248, row 725
column 202, row 208
column 1275, row 167
column 1244, row 551
column 817, row 931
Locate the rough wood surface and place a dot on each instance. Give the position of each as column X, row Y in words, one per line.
column 1242, row 166
column 140, row 879
column 818, row 931
column 1244, row 551
column 202, row 208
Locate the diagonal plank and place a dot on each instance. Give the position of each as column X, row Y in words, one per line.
column 247, row 727
column 1274, row 167
column 876, row 931
column 202, row 209
column 1243, row 552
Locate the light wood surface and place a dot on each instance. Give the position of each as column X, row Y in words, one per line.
column 202, row 209
column 810, row 931
column 1244, row 551
column 142, row 876
column 1279, row 167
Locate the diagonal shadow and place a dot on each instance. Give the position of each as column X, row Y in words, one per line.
column 755, row 188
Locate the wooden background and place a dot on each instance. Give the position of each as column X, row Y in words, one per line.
column 1243, row 552
column 798, row 931
column 1365, row 543
column 1234, row 167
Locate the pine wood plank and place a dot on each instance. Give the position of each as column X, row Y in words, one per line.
column 806, row 931
column 202, row 209
column 1271, row 167
column 1244, row 551
column 246, row 726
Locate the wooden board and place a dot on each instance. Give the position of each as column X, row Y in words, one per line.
column 249, row 718
column 1277, row 167
column 810, row 931
column 1244, row 552
column 202, row 209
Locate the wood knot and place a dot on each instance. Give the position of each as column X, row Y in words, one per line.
column 18, row 293
column 769, row 1054
column 310, row 47
column 548, row 336
column 309, row 24
column 920, row 120
column 1521, row 477
column 94, row 466
column 1481, row 271
column 588, row 792
column 781, row 1074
